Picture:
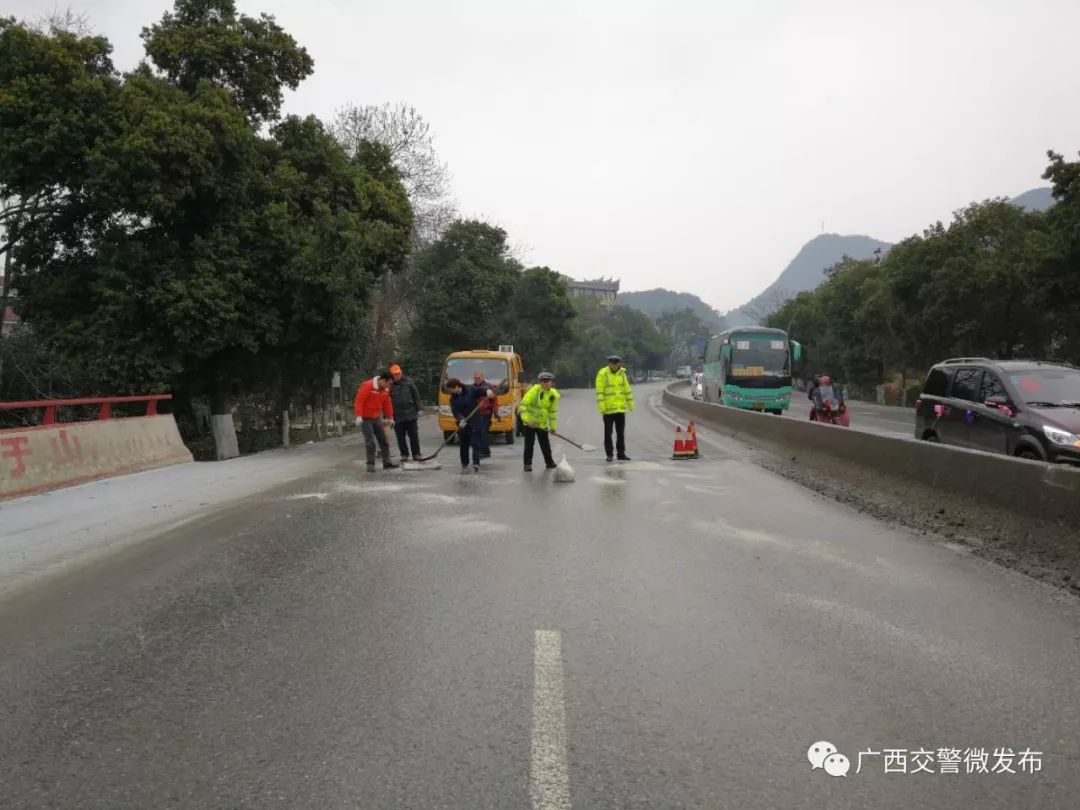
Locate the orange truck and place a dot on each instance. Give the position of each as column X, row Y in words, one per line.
column 505, row 372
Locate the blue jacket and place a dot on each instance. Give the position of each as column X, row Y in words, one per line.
column 461, row 405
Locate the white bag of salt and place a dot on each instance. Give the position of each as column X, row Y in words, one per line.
column 564, row 473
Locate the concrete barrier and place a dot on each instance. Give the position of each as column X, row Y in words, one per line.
column 1046, row 493
column 51, row 456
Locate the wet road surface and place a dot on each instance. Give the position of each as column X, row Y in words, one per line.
column 657, row 634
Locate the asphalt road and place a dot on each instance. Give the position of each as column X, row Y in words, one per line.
column 657, row 634
column 880, row 419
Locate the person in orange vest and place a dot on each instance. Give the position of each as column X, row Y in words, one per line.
column 372, row 403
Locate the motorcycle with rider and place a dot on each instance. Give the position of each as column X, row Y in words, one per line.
column 827, row 402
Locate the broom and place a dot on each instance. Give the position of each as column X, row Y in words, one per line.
column 449, row 439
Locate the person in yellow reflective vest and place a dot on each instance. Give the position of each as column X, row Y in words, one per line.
column 539, row 410
column 614, row 400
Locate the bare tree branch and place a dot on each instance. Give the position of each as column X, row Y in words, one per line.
column 407, row 136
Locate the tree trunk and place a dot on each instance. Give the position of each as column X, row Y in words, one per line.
column 284, row 394
column 221, row 422
column 5, row 295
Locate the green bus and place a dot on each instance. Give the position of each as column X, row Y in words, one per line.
column 750, row 367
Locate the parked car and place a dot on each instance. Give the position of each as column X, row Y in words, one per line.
column 1024, row 408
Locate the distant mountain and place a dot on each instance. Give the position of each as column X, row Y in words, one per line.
column 807, row 269
column 655, row 303
column 1038, row 199
column 805, row 273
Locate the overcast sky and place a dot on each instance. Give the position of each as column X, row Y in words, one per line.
column 694, row 145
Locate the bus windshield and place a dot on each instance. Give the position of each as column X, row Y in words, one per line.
column 759, row 356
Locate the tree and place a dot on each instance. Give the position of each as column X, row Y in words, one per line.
column 685, row 329
column 599, row 331
column 468, row 278
column 541, row 315
column 207, row 41
column 163, row 242
column 407, row 137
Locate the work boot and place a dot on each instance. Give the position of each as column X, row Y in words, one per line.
column 464, row 468
column 551, row 466
column 528, row 468
column 370, row 467
column 417, row 457
column 610, row 459
column 389, row 465
column 476, row 468
column 624, row 457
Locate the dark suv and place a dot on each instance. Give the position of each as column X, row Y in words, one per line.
column 1024, row 408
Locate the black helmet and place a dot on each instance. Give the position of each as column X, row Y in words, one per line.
column 614, row 358
column 545, row 375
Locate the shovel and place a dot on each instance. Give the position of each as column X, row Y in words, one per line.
column 450, row 437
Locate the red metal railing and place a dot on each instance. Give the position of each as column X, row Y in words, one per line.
column 104, row 411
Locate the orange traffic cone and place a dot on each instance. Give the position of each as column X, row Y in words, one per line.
column 680, row 450
column 691, row 444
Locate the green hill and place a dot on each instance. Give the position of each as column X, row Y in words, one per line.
column 655, row 303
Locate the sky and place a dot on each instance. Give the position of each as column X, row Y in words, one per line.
column 694, row 146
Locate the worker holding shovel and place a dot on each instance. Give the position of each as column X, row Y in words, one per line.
column 465, row 405
column 539, row 409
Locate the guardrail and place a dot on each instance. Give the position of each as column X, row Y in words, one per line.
column 52, row 453
column 105, row 404
column 927, row 472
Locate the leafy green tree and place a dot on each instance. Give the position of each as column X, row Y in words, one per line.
column 207, row 41
column 684, row 328
column 542, row 314
column 169, row 244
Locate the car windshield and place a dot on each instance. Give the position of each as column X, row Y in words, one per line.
column 1053, row 386
column 759, row 356
column 495, row 371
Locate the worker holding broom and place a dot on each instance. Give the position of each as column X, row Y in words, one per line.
column 539, row 410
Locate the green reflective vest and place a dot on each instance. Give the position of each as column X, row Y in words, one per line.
column 539, row 408
column 613, row 394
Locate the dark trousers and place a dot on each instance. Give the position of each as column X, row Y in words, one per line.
column 469, row 439
column 485, row 436
column 618, row 421
column 412, row 431
column 532, row 435
column 373, row 432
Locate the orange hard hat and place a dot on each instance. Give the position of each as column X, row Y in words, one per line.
column 395, row 369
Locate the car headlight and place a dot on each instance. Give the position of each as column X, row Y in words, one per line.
column 1059, row 436
column 444, row 410
column 735, row 395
